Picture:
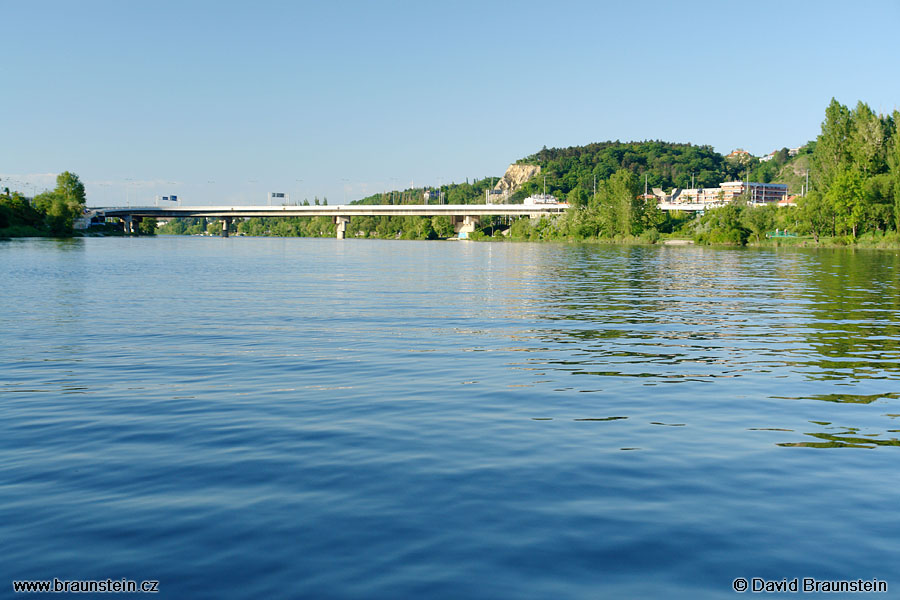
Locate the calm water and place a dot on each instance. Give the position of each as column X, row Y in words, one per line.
column 275, row 418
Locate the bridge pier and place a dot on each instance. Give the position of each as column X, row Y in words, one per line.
column 226, row 223
column 128, row 224
column 341, row 223
column 464, row 225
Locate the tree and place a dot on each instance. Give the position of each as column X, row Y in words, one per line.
column 847, row 196
column 831, row 151
column 63, row 205
column 867, row 140
column 442, row 226
column 816, row 213
column 15, row 211
column 618, row 205
column 759, row 219
column 577, row 197
column 147, row 226
column 893, row 160
column 70, row 187
column 723, row 225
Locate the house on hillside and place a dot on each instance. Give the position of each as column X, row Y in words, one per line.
column 739, row 154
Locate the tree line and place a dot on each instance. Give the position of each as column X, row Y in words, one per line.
column 50, row 213
column 855, row 175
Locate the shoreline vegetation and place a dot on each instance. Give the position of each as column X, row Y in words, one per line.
column 53, row 214
column 852, row 198
column 49, row 214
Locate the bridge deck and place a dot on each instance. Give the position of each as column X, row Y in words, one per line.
column 341, row 210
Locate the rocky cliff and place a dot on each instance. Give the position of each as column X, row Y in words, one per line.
column 515, row 176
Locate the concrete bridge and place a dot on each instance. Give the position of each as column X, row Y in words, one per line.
column 464, row 217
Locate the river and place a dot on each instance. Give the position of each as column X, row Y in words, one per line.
column 314, row 418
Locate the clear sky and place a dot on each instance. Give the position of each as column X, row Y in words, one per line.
column 222, row 102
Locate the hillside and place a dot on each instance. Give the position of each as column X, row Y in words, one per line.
column 572, row 173
column 782, row 168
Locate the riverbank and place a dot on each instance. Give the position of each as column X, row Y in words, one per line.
column 880, row 240
column 22, row 231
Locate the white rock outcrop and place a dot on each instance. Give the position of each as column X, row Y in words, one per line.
column 515, row 176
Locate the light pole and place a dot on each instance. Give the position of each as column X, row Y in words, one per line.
column 128, row 181
column 298, row 182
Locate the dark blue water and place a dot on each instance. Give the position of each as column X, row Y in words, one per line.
column 292, row 418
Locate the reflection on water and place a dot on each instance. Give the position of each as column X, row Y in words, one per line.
column 847, row 439
column 851, row 398
column 780, row 320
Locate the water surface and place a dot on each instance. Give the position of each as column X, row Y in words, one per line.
column 371, row 419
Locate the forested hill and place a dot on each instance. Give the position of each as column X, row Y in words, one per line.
column 666, row 165
column 571, row 172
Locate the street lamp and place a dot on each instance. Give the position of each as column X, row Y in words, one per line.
column 128, row 181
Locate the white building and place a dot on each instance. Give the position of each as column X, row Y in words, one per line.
column 758, row 193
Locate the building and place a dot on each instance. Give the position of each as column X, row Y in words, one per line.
column 541, row 199
column 710, row 196
column 757, row 193
column 739, row 153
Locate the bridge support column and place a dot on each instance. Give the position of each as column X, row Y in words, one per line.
column 463, row 226
column 341, row 223
column 226, row 223
column 128, row 224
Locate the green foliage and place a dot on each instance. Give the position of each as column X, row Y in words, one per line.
column 50, row 213
column 453, row 193
column 856, row 170
column 69, row 186
column 442, row 227
column 16, row 212
column 723, row 225
column 893, row 160
column 63, row 205
column 816, row 215
column 664, row 164
column 759, row 219
column 832, row 146
column 618, row 206
column 147, row 226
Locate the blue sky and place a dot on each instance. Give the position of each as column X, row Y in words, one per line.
column 222, row 102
